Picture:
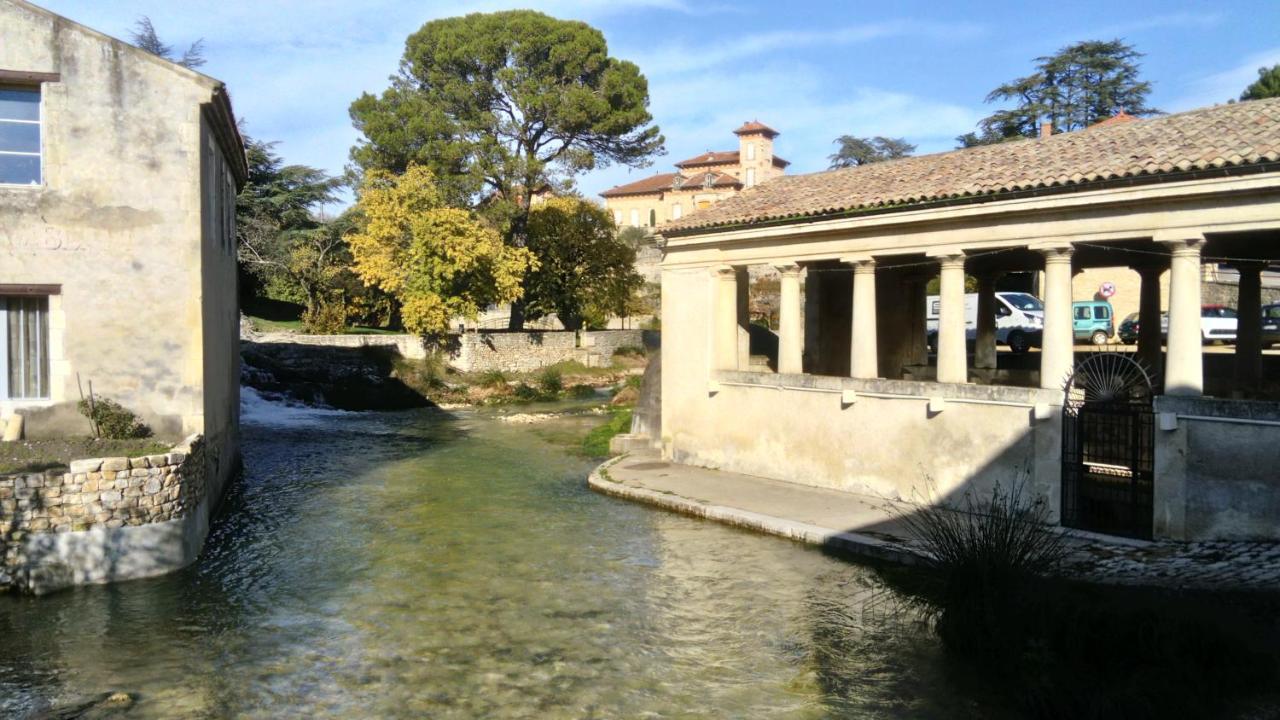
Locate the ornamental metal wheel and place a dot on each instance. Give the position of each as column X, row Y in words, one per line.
column 1108, row 377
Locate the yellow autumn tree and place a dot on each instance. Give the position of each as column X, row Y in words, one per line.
column 438, row 262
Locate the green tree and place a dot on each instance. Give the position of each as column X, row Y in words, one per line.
column 438, row 262
column 1072, row 89
column 1266, row 86
column 145, row 37
column 853, row 151
column 504, row 106
column 586, row 272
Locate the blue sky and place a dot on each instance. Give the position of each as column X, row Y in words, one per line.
column 813, row 70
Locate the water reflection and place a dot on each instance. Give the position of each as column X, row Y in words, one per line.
column 421, row 564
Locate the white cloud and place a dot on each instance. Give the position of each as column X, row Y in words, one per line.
column 1224, row 85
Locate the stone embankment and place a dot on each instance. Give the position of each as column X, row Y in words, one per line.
column 60, row 528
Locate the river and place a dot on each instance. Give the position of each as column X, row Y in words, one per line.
column 449, row 565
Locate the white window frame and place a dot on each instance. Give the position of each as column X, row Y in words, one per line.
column 5, row 393
column 751, row 151
column 676, row 211
column 39, row 123
column 751, row 177
column 635, row 217
column 617, row 218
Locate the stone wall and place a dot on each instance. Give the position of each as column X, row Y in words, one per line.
column 482, row 351
column 101, row 493
column 607, row 342
column 409, row 346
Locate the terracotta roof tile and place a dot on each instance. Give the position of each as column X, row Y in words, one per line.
column 755, row 126
column 711, row 157
column 653, row 184
column 1231, row 135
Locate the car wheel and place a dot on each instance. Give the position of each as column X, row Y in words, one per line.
column 1099, row 338
column 1018, row 341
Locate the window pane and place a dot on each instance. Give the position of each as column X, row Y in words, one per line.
column 19, row 137
column 19, row 170
column 18, row 104
column 28, row 343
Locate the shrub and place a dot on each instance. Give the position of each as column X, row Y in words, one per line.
column 582, row 392
column 629, row 351
column 328, row 318
column 596, row 443
column 114, row 421
column 526, row 392
column 492, row 379
column 423, row 376
column 551, row 381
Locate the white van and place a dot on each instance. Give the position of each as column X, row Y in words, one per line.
column 1019, row 319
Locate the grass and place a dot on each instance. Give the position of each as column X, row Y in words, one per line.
column 596, row 443
column 41, row 455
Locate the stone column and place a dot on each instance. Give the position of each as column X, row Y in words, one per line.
column 790, row 337
column 725, row 280
column 1057, row 344
column 743, row 281
column 984, row 348
column 1184, row 359
column 1150, row 337
column 864, row 360
column 1249, row 326
column 952, row 363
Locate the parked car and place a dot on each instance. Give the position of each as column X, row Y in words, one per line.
column 1093, row 320
column 1019, row 319
column 1128, row 330
column 1217, row 324
column 1270, row 325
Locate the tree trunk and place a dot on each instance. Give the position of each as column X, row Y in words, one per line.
column 519, row 238
column 516, row 321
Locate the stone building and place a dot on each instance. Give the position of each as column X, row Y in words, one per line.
column 860, row 403
column 118, row 179
column 699, row 181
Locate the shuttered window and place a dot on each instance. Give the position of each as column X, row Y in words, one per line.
column 24, row 347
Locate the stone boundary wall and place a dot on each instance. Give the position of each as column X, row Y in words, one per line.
column 482, row 350
column 100, row 493
column 409, row 346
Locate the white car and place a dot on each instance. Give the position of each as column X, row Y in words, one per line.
column 1217, row 324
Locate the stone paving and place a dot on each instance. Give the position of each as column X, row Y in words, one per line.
column 870, row 526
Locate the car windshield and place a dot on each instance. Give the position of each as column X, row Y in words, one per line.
column 1132, row 317
column 1023, row 301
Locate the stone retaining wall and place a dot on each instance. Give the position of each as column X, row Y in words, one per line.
column 409, row 346
column 100, row 493
column 482, row 350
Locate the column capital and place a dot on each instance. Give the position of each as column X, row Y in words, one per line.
column 1155, row 267
column 1174, row 238
column 723, row 272
column 1056, row 254
column 860, row 263
column 1255, row 266
column 949, row 259
column 788, row 269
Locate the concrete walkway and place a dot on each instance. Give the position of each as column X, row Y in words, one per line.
column 867, row 526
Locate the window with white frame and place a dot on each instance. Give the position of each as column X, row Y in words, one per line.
column 751, row 177
column 751, row 151
column 635, row 217
column 19, row 136
column 617, row 217
column 676, row 212
column 24, row 347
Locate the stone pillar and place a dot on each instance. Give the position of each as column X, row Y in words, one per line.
column 725, row 280
column 952, row 363
column 1184, row 359
column 1057, row 345
column 742, row 279
column 864, row 359
column 1150, row 337
column 984, row 347
column 790, row 337
column 1249, row 326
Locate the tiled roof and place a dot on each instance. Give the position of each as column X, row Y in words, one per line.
column 1120, row 117
column 1224, row 136
column 715, row 157
column 654, row 184
column 755, row 126
column 664, row 182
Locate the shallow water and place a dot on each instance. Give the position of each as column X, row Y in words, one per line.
column 428, row 564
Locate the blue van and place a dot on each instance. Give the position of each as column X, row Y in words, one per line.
column 1093, row 320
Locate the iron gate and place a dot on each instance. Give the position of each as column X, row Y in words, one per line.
column 1108, row 447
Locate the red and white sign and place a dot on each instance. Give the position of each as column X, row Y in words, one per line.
column 1106, row 290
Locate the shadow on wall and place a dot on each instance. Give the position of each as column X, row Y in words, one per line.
column 361, row 378
column 763, row 344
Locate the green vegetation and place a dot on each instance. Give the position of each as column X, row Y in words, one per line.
column 492, row 379
column 551, row 381
column 629, row 351
column 1079, row 85
column 581, row 392
column 502, row 108
column 596, row 444
column 854, row 151
column 113, row 421
column 41, row 455
column 1266, row 86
